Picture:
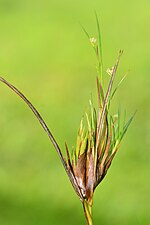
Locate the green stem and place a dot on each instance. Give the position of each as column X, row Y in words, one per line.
column 88, row 212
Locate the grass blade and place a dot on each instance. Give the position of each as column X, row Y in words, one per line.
column 100, row 47
column 125, row 128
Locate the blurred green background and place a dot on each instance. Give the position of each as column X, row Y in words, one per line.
column 44, row 52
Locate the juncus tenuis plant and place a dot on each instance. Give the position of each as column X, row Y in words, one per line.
column 99, row 135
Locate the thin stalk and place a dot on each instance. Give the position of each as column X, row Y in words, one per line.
column 88, row 212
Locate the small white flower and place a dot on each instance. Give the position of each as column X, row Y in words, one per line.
column 93, row 41
column 110, row 71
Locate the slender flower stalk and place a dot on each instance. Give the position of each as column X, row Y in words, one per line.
column 99, row 135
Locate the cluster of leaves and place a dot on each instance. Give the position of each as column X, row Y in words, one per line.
column 99, row 135
column 98, row 140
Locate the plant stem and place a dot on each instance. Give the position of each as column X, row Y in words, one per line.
column 88, row 212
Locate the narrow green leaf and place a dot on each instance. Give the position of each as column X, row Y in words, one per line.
column 124, row 119
column 100, row 46
column 125, row 128
column 88, row 122
column 114, row 91
column 86, row 33
column 84, row 144
column 93, row 115
column 118, row 120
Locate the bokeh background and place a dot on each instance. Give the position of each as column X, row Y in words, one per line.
column 44, row 52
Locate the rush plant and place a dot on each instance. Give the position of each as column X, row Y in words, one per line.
column 99, row 135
